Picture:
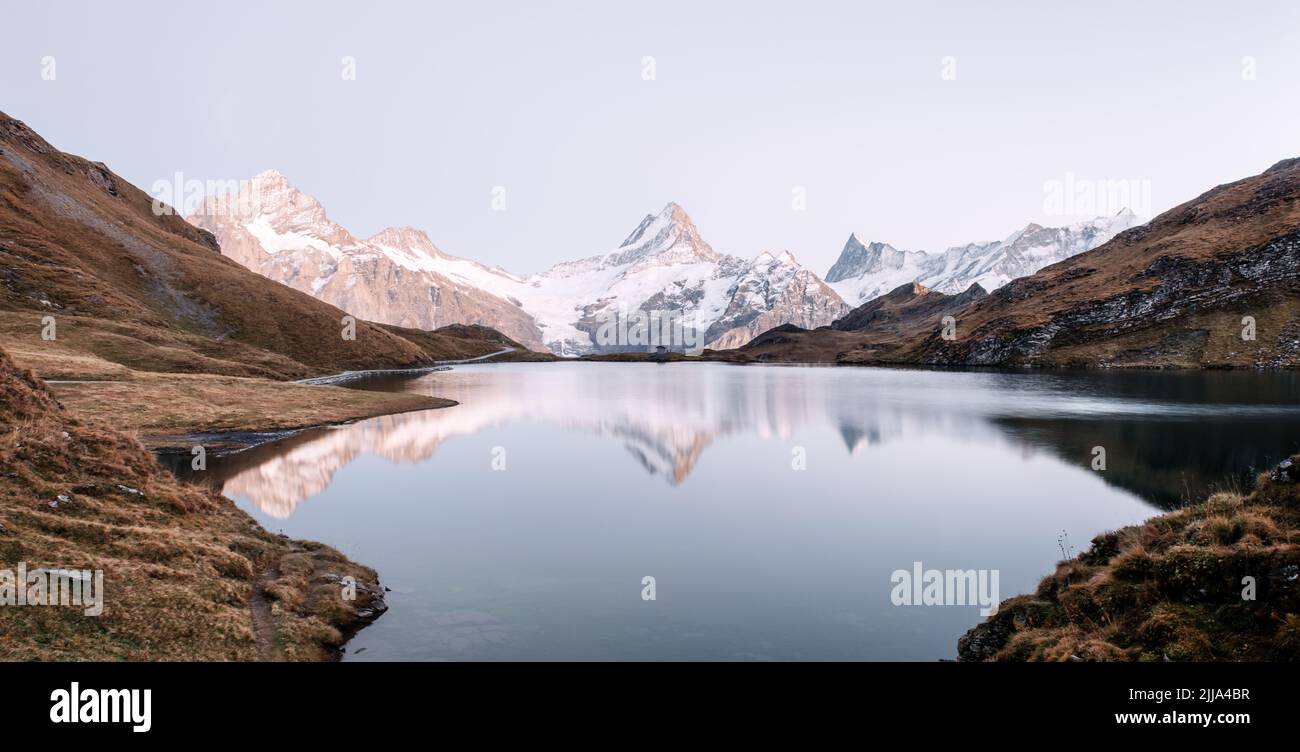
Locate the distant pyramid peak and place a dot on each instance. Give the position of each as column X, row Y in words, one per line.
column 857, row 240
column 674, row 211
column 670, row 234
column 402, row 237
column 269, row 198
column 780, row 257
column 271, row 181
column 859, row 257
column 974, row 292
column 908, row 290
column 672, row 215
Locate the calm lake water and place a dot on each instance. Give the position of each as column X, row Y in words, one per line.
column 520, row 524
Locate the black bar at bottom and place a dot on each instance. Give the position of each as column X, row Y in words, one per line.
column 261, row 702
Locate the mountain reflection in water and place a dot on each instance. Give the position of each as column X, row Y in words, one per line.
column 519, row 524
column 1168, row 436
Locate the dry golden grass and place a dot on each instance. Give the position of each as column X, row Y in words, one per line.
column 1170, row 589
column 184, row 570
column 162, row 406
column 64, row 363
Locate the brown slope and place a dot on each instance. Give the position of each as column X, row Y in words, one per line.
column 1171, row 293
column 183, row 568
column 909, row 302
column 151, row 292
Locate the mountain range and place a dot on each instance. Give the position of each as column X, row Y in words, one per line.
column 869, row 270
column 1214, row 282
column 400, row 277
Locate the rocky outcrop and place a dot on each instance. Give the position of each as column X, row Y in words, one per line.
column 1287, row 472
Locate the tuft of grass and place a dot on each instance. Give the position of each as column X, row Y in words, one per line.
column 1171, row 589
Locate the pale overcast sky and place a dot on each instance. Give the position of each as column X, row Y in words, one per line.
column 749, row 100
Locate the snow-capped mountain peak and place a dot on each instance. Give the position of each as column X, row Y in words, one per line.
column 280, row 217
column 867, row 271
column 769, row 259
column 409, row 248
column 771, row 290
column 667, row 267
column 669, row 237
column 664, row 268
column 406, row 238
column 397, row 276
column 859, row 258
column 270, row 194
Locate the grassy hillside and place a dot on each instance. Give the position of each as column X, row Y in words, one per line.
column 187, row 576
column 134, row 288
column 1172, row 292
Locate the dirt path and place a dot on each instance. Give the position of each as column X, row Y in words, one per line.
column 259, row 606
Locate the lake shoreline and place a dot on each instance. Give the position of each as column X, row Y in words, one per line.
column 1213, row 581
column 172, row 413
column 741, row 359
column 269, row 437
column 189, row 576
column 222, row 443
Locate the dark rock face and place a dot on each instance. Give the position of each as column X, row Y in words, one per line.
column 1286, row 472
column 983, row 641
